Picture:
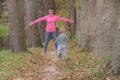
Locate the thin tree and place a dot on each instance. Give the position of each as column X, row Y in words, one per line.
column 0, row 9
column 71, row 9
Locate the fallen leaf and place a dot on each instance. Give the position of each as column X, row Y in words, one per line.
column 108, row 78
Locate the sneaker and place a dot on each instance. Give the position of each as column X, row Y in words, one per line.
column 59, row 55
column 44, row 54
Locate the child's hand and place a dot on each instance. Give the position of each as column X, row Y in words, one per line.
column 30, row 24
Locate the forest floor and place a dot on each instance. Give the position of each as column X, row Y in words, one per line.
column 33, row 65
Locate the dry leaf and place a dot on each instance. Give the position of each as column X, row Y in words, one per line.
column 108, row 78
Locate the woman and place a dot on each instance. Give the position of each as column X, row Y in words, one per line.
column 50, row 28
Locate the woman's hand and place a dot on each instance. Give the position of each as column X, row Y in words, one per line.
column 30, row 24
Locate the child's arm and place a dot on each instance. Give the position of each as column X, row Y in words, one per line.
column 64, row 19
column 37, row 20
column 67, row 38
column 56, row 40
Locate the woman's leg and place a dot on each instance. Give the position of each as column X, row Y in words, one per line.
column 47, row 36
column 54, row 38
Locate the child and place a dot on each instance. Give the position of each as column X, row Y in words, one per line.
column 61, row 39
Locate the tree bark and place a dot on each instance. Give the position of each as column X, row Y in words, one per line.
column 33, row 39
column 71, row 9
column 42, row 11
column 78, row 11
column 106, row 19
column 87, row 24
column 0, row 9
column 112, row 66
column 16, row 24
column 51, row 5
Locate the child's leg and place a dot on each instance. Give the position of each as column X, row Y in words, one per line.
column 63, row 53
column 59, row 49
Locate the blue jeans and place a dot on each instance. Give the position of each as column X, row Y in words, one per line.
column 47, row 38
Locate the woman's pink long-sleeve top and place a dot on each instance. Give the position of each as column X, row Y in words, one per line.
column 50, row 19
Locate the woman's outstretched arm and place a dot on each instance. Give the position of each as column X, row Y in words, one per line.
column 57, row 39
column 37, row 20
column 64, row 19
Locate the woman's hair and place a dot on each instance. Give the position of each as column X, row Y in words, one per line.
column 62, row 30
column 51, row 9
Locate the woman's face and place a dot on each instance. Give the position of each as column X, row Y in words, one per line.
column 50, row 11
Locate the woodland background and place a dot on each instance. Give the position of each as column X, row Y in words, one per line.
column 96, row 28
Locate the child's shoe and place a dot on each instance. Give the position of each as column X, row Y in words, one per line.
column 59, row 55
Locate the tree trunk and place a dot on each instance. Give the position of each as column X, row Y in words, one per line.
column 78, row 11
column 0, row 10
column 33, row 32
column 87, row 24
column 106, row 19
column 112, row 66
column 51, row 5
column 71, row 9
column 16, row 24
column 42, row 11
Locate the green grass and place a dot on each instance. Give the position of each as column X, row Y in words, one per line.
column 9, row 62
column 77, row 66
column 75, row 39
column 14, row 64
column 4, row 31
column 81, row 65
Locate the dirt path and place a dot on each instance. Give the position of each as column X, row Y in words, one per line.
column 50, row 70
